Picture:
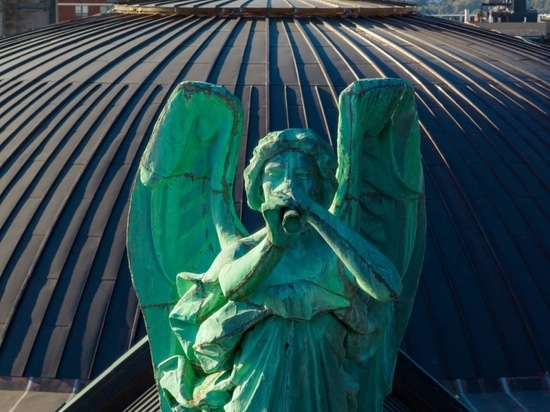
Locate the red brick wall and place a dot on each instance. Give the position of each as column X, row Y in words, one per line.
column 66, row 13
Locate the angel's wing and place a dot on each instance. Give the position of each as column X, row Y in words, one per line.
column 182, row 198
column 381, row 195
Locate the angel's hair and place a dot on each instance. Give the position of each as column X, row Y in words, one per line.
column 301, row 140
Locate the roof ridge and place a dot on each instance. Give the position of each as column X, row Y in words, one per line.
column 269, row 8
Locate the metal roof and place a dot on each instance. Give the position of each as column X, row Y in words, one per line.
column 270, row 8
column 129, row 386
column 78, row 102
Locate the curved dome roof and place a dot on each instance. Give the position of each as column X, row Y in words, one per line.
column 79, row 101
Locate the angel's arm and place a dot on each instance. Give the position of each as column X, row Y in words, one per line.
column 245, row 265
column 369, row 268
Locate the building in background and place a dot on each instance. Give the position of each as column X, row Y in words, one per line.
column 78, row 9
column 18, row 16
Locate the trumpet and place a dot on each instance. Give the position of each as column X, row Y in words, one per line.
column 291, row 221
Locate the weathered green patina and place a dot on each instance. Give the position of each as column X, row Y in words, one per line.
column 308, row 313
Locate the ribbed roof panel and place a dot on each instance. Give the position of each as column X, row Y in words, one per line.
column 79, row 101
column 273, row 8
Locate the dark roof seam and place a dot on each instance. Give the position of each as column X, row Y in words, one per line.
column 128, row 182
column 448, row 277
column 422, row 290
column 464, row 248
column 86, row 220
column 474, row 108
column 35, row 181
column 502, row 273
column 69, row 194
column 294, row 52
column 347, row 35
column 470, row 63
column 47, row 44
column 452, row 100
column 16, row 98
column 73, row 44
column 475, row 33
column 308, row 41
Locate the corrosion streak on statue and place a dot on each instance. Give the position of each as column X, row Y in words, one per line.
column 307, row 313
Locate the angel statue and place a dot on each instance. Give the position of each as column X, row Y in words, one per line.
column 306, row 314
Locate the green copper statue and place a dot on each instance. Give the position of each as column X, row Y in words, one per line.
column 308, row 313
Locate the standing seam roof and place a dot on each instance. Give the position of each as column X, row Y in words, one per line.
column 79, row 101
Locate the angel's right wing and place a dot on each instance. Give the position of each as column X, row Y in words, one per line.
column 182, row 211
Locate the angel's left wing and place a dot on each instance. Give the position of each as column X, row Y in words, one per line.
column 381, row 196
column 182, row 211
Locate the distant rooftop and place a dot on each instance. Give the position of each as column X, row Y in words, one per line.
column 270, row 8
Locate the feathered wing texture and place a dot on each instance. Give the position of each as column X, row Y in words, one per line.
column 381, row 195
column 182, row 211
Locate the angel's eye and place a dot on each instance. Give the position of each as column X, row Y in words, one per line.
column 273, row 172
column 302, row 174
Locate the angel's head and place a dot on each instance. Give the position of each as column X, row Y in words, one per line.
column 303, row 141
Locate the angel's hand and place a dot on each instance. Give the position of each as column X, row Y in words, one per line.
column 283, row 219
column 298, row 200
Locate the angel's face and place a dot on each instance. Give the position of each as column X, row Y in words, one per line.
column 288, row 172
